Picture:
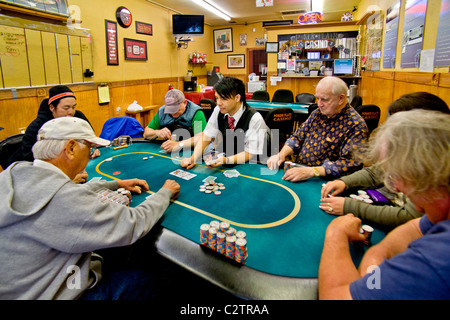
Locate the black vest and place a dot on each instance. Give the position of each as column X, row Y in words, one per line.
column 233, row 142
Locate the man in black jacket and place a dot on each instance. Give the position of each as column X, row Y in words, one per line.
column 61, row 103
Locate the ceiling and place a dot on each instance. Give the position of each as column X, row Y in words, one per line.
column 245, row 11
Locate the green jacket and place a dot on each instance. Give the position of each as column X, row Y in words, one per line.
column 386, row 216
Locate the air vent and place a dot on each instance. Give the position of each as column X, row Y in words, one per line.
column 292, row 12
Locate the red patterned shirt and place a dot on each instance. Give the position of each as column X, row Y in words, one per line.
column 330, row 142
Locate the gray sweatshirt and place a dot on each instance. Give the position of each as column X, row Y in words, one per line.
column 49, row 226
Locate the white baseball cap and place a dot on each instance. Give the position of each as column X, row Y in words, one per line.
column 66, row 128
column 172, row 100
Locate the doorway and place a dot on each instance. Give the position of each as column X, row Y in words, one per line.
column 257, row 62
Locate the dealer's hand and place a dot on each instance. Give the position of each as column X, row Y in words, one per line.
column 187, row 163
column 275, row 161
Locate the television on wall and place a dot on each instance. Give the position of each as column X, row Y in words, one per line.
column 343, row 67
column 188, row 25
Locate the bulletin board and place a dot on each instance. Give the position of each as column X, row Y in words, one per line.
column 37, row 54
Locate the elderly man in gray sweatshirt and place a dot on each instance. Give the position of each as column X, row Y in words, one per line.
column 49, row 225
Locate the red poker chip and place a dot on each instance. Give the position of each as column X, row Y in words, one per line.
column 116, row 173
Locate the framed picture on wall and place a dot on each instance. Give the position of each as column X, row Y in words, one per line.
column 112, row 54
column 135, row 49
column 271, row 47
column 223, row 40
column 236, row 61
column 144, row 28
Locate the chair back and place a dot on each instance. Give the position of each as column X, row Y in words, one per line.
column 208, row 106
column 121, row 126
column 356, row 102
column 311, row 108
column 371, row 114
column 283, row 95
column 281, row 119
column 8, row 147
column 261, row 95
column 305, row 98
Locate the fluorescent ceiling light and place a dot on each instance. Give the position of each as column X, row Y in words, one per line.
column 212, row 9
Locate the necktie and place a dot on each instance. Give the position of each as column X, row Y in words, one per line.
column 231, row 123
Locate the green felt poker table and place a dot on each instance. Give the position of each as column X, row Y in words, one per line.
column 285, row 227
column 265, row 106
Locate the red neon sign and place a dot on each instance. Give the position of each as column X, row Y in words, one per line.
column 310, row 17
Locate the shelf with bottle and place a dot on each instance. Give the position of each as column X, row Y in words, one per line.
column 197, row 58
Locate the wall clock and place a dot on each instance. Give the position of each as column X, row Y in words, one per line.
column 124, row 17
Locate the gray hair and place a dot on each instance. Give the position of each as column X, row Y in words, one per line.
column 50, row 149
column 338, row 86
column 413, row 147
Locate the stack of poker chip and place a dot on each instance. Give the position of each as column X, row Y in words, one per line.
column 240, row 253
column 366, row 231
column 212, row 187
column 221, row 237
column 120, row 196
column 288, row 165
column 362, row 196
column 212, row 238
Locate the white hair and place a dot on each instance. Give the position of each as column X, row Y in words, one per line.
column 338, row 86
column 51, row 149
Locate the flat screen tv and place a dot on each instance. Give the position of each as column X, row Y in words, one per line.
column 343, row 67
column 188, row 25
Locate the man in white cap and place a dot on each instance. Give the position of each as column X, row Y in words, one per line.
column 49, row 225
column 177, row 118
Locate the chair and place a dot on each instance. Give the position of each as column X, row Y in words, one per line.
column 121, row 126
column 261, row 96
column 311, row 108
column 356, row 102
column 208, row 106
column 281, row 119
column 283, row 95
column 371, row 114
column 305, row 98
column 8, row 147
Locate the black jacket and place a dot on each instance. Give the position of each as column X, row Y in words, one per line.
column 30, row 137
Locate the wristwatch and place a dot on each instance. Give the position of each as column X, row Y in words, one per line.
column 181, row 144
column 316, row 172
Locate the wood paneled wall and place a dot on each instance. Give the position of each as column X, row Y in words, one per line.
column 375, row 87
column 382, row 87
column 19, row 109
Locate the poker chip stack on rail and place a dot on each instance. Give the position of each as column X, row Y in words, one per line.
column 221, row 237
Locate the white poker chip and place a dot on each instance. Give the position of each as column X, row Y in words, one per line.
column 108, row 159
column 217, row 192
column 202, row 190
column 221, row 188
column 208, row 191
column 145, row 158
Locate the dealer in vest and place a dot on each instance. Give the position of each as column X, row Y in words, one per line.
column 178, row 121
column 238, row 130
